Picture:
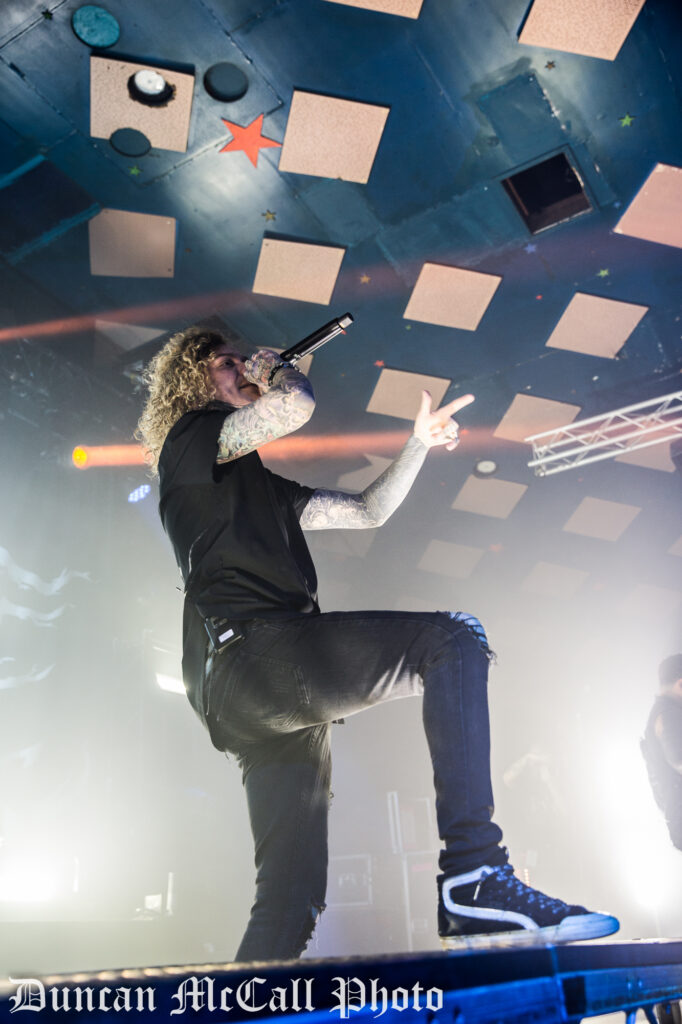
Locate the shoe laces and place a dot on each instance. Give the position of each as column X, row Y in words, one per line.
column 514, row 888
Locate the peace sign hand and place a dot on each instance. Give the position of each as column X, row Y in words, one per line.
column 437, row 427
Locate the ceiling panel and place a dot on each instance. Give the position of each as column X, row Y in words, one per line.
column 451, row 296
column 447, row 559
column 655, row 213
column 596, row 326
column 492, row 497
column 112, row 107
column 127, row 336
column 551, row 580
column 651, row 602
column 581, row 26
column 656, row 456
column 596, row 517
column 125, row 244
column 528, row 415
column 403, row 8
column 331, row 138
column 398, row 393
column 297, row 270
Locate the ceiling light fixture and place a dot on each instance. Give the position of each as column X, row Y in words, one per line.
column 485, row 468
column 151, row 88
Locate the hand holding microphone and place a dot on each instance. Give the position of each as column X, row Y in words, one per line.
column 261, row 367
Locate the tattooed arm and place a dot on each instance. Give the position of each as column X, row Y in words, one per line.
column 285, row 404
column 329, row 510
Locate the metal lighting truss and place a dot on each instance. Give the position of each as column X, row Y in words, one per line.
column 606, row 436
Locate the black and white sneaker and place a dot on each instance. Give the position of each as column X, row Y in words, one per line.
column 491, row 906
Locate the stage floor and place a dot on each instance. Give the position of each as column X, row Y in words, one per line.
column 491, row 986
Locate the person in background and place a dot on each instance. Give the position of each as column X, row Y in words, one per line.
column 662, row 746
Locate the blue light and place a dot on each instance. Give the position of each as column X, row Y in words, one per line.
column 139, row 493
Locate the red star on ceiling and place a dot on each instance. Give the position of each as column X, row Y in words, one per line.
column 249, row 139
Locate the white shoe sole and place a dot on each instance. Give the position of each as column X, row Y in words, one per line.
column 571, row 929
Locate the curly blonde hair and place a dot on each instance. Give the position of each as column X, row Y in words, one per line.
column 178, row 382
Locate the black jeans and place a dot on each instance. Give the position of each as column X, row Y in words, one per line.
column 270, row 700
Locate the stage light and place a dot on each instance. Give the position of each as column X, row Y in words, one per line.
column 89, row 456
column 139, row 493
column 645, row 857
column 309, row 446
column 170, row 683
column 79, row 457
column 27, row 882
column 485, row 468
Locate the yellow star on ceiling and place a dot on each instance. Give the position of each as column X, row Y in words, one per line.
column 626, row 121
column 365, row 279
column 605, row 272
column 269, row 215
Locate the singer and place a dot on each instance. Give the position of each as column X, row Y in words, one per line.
column 268, row 673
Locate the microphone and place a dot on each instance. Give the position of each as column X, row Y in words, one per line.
column 319, row 337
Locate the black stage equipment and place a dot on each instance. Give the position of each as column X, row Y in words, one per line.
column 542, row 984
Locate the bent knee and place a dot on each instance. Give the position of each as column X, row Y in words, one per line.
column 474, row 628
column 469, row 620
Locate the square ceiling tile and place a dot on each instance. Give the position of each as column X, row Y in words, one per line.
column 403, row 8
column 656, row 456
column 127, row 336
column 348, row 543
column 595, row 517
column 595, row 326
column 298, row 270
column 554, row 580
column 331, row 138
column 655, row 213
column 581, row 26
column 490, row 497
column 398, row 393
column 528, row 415
column 676, row 549
column 124, row 244
column 358, row 479
column 451, row 296
column 647, row 601
column 458, row 560
column 112, row 107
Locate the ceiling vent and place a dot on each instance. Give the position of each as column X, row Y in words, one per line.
column 547, row 193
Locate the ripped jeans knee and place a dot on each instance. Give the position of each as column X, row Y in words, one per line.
column 475, row 627
column 305, row 935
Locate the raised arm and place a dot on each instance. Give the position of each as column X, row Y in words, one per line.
column 329, row 510
column 286, row 402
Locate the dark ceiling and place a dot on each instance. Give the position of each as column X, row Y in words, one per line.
column 469, row 105
column 575, row 614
